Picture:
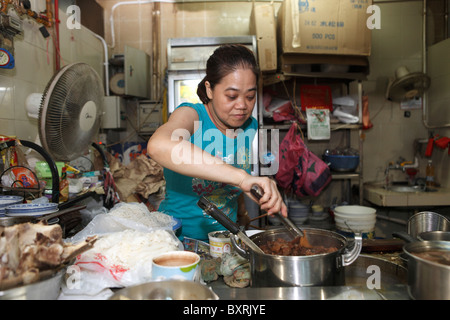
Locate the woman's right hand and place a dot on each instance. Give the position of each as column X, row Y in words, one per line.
column 271, row 201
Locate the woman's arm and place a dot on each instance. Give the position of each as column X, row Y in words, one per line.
column 177, row 154
column 170, row 150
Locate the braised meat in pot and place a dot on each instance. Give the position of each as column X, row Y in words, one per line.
column 296, row 247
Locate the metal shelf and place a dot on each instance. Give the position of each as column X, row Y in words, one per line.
column 284, row 76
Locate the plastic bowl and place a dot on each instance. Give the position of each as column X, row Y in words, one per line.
column 341, row 163
column 354, row 218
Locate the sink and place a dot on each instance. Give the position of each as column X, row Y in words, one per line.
column 403, row 188
column 404, row 195
column 406, row 189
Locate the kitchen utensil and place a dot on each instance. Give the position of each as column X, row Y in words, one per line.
column 12, row 220
column 166, row 290
column 428, row 280
column 288, row 271
column 290, row 226
column 214, row 212
column 435, row 236
column 353, row 218
column 382, row 245
column 427, row 221
column 31, row 209
column 341, row 163
column 46, row 289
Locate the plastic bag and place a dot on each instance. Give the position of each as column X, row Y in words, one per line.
column 123, row 253
column 300, row 170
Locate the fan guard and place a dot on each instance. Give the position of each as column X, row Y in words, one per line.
column 69, row 115
column 407, row 85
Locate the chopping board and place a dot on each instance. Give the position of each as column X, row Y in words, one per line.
column 382, row 245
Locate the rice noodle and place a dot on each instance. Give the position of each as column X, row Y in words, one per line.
column 130, row 248
column 139, row 213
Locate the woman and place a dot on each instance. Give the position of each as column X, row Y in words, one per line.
column 205, row 148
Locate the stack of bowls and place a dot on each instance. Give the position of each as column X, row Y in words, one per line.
column 355, row 219
column 298, row 212
column 319, row 218
column 6, row 201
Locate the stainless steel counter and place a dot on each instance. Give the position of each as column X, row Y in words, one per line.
column 395, row 292
column 391, row 284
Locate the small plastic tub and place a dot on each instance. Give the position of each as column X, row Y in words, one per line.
column 219, row 243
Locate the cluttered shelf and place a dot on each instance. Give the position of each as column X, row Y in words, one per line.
column 300, row 88
column 333, row 126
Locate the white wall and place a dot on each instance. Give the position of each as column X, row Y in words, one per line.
column 397, row 43
column 34, row 67
column 439, row 104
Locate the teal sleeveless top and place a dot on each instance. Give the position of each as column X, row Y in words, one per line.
column 183, row 192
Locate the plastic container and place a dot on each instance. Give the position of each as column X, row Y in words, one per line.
column 354, row 218
column 342, row 163
column 219, row 243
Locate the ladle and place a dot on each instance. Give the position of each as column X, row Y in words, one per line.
column 290, row 226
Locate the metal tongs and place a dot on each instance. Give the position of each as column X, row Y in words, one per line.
column 290, row 226
column 223, row 219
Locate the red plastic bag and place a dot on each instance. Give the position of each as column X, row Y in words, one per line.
column 300, row 170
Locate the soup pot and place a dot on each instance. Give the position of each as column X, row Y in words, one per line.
column 428, row 279
column 288, row 271
column 274, row 271
column 427, row 221
column 434, row 236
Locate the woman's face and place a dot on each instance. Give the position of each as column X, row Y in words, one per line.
column 233, row 99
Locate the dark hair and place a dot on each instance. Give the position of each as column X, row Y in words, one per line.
column 226, row 59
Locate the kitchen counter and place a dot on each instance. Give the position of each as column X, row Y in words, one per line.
column 377, row 194
column 392, row 284
column 394, row 292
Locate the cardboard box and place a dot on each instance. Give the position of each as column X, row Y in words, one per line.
column 324, row 27
column 263, row 26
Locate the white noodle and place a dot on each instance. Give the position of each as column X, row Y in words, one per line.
column 139, row 213
column 130, row 248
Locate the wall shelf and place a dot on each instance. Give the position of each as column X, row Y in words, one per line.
column 290, row 73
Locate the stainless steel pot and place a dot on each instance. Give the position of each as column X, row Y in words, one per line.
column 427, row 221
column 166, row 290
column 427, row 280
column 47, row 289
column 288, row 271
column 434, row 236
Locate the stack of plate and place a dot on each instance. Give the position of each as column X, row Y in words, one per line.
column 6, row 201
column 31, row 209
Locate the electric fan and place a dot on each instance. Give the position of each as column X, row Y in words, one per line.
column 407, row 85
column 70, row 111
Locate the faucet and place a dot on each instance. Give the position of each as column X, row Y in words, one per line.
column 400, row 165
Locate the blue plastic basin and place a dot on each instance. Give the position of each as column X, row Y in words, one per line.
column 342, row 163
